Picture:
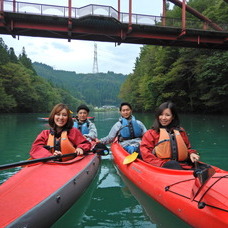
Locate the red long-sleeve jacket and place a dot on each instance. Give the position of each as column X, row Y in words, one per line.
column 74, row 135
column 150, row 139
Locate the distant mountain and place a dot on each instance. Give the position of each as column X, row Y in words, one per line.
column 96, row 89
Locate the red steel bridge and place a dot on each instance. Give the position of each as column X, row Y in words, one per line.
column 104, row 23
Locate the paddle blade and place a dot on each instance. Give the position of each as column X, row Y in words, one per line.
column 201, row 178
column 130, row 158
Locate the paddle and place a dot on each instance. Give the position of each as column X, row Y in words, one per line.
column 28, row 162
column 202, row 176
column 99, row 148
column 130, row 158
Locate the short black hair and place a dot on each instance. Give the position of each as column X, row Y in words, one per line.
column 125, row 103
column 83, row 107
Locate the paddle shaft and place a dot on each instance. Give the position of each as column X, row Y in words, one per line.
column 28, row 162
column 99, row 149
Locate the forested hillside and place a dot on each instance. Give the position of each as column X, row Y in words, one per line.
column 195, row 79
column 96, row 89
column 27, row 87
column 22, row 90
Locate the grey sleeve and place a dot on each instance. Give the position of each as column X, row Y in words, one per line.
column 92, row 131
column 112, row 134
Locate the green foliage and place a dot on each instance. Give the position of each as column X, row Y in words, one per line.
column 21, row 90
column 7, row 101
column 4, row 56
column 195, row 79
column 25, row 60
column 12, row 56
column 213, row 82
column 96, row 89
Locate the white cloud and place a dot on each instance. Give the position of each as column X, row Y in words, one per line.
column 79, row 55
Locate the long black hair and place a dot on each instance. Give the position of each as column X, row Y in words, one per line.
column 175, row 122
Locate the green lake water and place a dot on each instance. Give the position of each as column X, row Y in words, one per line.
column 111, row 200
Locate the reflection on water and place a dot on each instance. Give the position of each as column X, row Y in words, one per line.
column 5, row 174
column 154, row 210
column 106, row 203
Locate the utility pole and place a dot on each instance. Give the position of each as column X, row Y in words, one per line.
column 95, row 63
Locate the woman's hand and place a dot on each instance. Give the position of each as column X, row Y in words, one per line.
column 57, row 153
column 194, row 157
column 79, row 151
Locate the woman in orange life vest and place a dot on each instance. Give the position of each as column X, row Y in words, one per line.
column 167, row 144
column 62, row 138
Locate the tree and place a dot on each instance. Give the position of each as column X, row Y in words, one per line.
column 4, row 57
column 12, row 56
column 195, row 79
column 26, row 61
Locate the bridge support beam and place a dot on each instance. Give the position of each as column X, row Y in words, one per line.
column 164, row 13
column 1, row 9
column 118, row 10
column 1, row 5
column 183, row 32
column 69, row 20
column 130, row 17
column 183, row 15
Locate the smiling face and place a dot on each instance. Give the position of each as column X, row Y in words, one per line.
column 82, row 115
column 166, row 117
column 61, row 118
column 125, row 111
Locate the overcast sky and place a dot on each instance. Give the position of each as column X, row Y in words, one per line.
column 78, row 55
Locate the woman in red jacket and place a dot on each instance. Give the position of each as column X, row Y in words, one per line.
column 167, row 144
column 62, row 138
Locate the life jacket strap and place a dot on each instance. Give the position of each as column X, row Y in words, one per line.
column 174, row 149
column 164, row 140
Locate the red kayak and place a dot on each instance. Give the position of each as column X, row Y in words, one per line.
column 39, row 194
column 173, row 189
column 46, row 118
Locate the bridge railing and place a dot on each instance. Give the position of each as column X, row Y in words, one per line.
column 100, row 10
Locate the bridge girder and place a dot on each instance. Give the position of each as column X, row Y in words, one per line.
column 110, row 30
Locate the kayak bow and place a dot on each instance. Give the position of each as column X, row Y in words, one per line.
column 173, row 189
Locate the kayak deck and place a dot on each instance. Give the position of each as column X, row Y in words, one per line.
column 43, row 186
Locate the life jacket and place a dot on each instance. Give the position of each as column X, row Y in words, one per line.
column 82, row 127
column 130, row 129
column 64, row 145
column 171, row 146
